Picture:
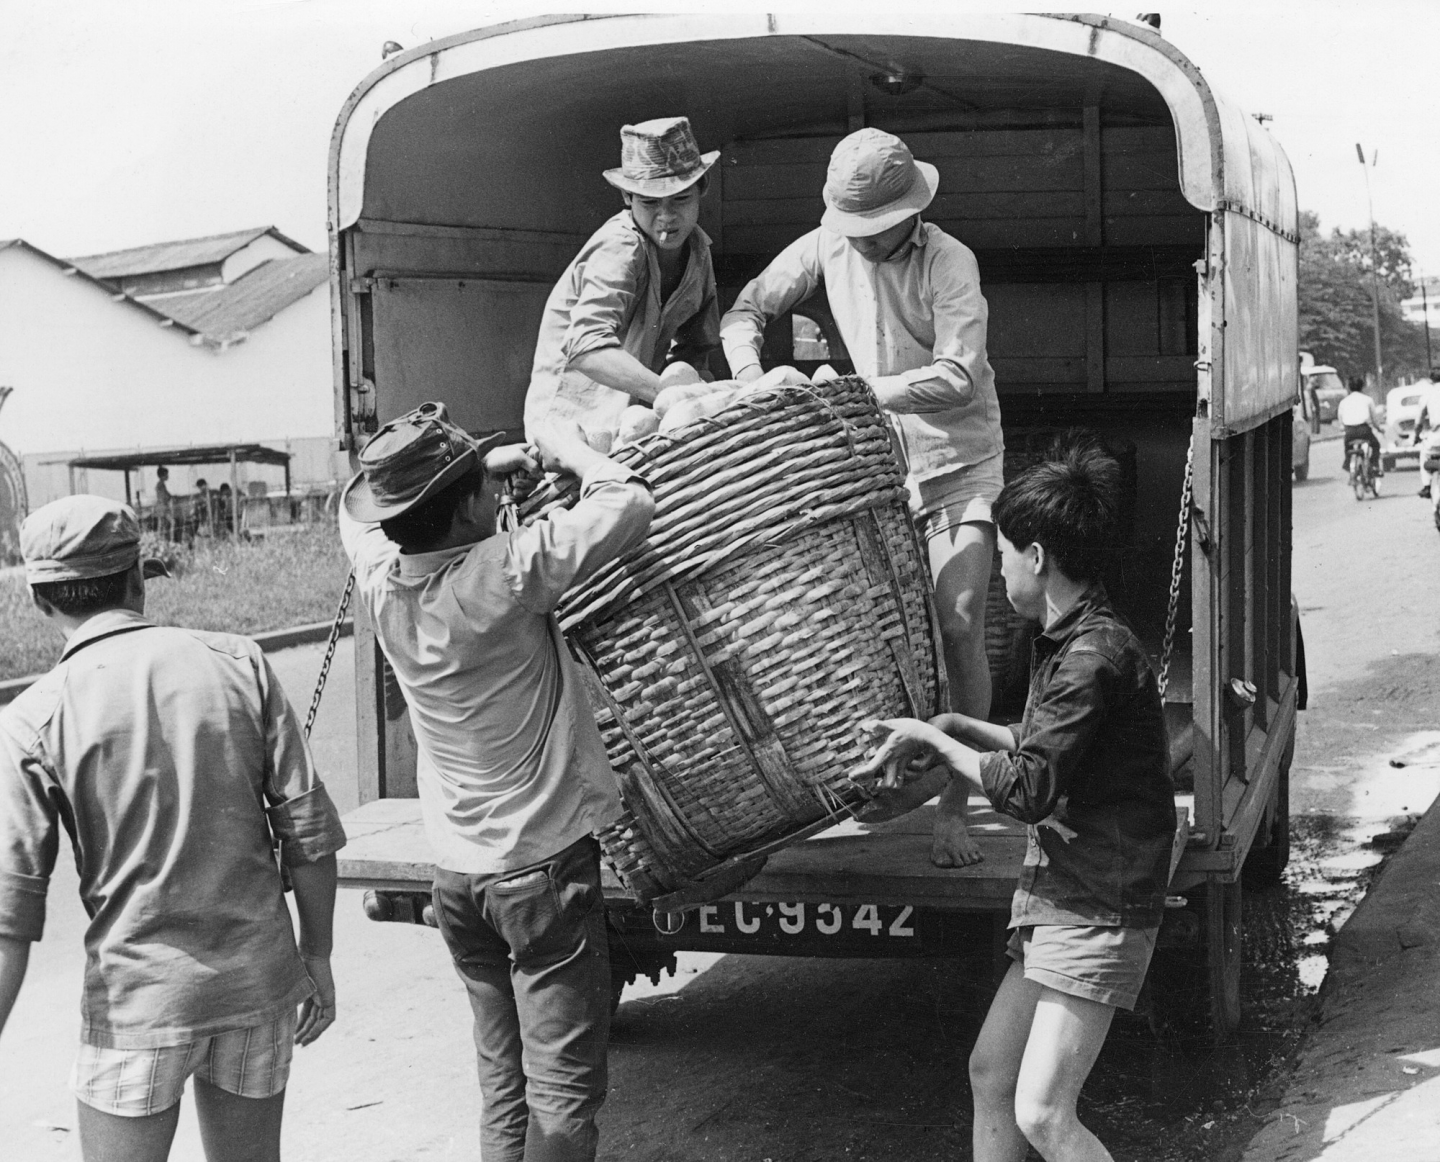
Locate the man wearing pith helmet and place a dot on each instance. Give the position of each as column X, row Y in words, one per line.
column 635, row 311
column 511, row 772
column 173, row 760
column 906, row 297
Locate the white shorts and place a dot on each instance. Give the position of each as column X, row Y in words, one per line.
column 135, row 1083
column 958, row 498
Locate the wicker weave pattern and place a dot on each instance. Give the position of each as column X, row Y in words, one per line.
column 779, row 598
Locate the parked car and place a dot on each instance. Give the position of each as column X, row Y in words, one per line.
column 1329, row 389
column 1402, row 412
column 1300, row 440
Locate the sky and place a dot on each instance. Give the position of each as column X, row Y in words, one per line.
column 124, row 122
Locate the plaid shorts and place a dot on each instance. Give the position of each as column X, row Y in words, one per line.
column 135, row 1083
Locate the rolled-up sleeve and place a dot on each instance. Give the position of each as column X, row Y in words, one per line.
column 1028, row 782
column 961, row 317
column 301, row 813
column 29, row 838
column 792, row 277
column 606, row 298
column 547, row 558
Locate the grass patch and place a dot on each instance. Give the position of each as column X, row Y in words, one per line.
column 286, row 578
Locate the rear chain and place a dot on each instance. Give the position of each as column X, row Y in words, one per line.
column 330, row 651
column 1177, row 568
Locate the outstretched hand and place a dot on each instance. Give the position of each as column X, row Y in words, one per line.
column 906, row 750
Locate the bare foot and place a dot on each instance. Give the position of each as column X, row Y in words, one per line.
column 952, row 845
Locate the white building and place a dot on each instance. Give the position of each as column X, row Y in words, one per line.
column 202, row 341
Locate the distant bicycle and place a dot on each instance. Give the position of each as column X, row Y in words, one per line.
column 1363, row 477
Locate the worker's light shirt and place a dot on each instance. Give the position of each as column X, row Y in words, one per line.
column 1355, row 409
column 169, row 756
column 913, row 325
column 609, row 296
column 510, row 766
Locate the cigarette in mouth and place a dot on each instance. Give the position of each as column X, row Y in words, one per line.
column 664, row 235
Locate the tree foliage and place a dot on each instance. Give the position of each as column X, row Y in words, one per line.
column 1335, row 300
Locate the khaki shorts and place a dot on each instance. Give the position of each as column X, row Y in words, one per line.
column 962, row 497
column 1100, row 964
column 135, row 1083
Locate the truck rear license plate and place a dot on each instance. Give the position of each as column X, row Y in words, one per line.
column 843, row 923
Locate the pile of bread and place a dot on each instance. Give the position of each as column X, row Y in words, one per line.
column 686, row 399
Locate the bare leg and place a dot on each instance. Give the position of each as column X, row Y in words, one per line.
column 995, row 1069
column 238, row 1129
column 111, row 1138
column 960, row 562
column 1066, row 1034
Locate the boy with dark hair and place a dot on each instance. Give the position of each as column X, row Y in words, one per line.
column 1088, row 770
column 511, row 771
column 157, row 749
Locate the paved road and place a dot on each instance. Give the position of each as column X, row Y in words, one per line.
column 758, row 1058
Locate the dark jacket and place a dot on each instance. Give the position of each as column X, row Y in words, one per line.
column 1093, row 753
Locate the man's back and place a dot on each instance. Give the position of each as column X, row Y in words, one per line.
column 511, row 766
column 156, row 749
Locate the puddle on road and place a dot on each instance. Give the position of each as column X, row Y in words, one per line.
column 1167, row 1104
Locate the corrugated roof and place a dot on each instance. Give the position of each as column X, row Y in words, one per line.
column 193, row 454
column 113, row 292
column 177, row 255
column 225, row 313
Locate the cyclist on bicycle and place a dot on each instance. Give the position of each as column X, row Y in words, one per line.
column 1357, row 413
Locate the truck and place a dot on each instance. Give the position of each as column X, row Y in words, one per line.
column 1137, row 240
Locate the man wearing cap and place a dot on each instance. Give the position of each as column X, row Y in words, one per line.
column 906, row 297
column 173, row 761
column 512, row 774
column 635, row 310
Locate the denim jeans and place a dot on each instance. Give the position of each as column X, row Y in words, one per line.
column 530, row 946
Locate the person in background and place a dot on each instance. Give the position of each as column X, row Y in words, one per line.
column 906, row 297
column 1357, row 413
column 173, row 761
column 1427, row 434
column 203, row 507
column 511, row 771
column 225, row 509
column 635, row 311
column 163, row 520
column 1088, row 771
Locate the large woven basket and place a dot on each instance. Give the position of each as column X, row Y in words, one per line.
column 779, row 598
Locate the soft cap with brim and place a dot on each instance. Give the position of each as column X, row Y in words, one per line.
column 409, row 460
column 80, row 538
column 659, row 158
column 874, row 183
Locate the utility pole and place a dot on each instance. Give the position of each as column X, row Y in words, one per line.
column 1374, row 269
column 1425, row 314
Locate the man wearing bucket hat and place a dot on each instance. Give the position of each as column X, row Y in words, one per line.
column 906, row 298
column 635, row 311
column 157, row 749
column 511, row 771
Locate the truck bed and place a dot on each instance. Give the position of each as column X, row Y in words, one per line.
column 852, row 862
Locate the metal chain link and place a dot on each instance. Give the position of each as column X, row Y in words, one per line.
column 330, row 651
column 1177, row 569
